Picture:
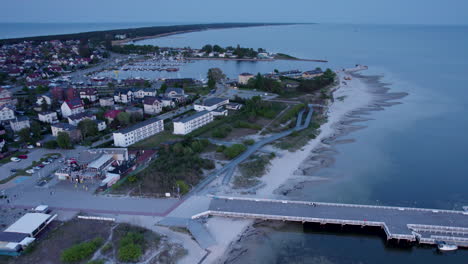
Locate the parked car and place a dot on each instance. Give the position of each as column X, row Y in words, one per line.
column 22, row 156
column 45, row 162
column 36, row 168
column 41, row 165
column 30, row 171
column 15, row 159
column 30, row 147
column 12, row 170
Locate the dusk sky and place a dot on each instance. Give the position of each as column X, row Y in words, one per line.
column 323, row 11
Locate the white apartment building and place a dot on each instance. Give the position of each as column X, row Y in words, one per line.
column 245, row 77
column 7, row 112
column 131, row 135
column 188, row 124
column 106, row 101
column 48, row 117
column 211, row 104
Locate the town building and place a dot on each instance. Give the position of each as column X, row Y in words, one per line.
column 134, row 110
column 6, row 97
column 173, row 92
column 188, row 124
column 101, row 125
column 152, row 105
column 141, row 93
column 245, row 77
column 19, row 123
column 167, row 102
column 106, row 101
column 111, row 115
column 211, row 104
column 72, row 107
column 131, row 135
column 7, row 112
column 123, row 96
column 71, row 130
column 77, row 118
column 48, row 117
column 89, row 93
column 312, row 74
column 233, row 106
column 44, row 99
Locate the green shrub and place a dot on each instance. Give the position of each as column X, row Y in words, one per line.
column 221, row 132
column 106, row 248
column 130, row 253
column 234, row 150
column 52, row 144
column 249, row 142
column 81, row 251
column 183, row 187
column 220, row 148
column 97, row 261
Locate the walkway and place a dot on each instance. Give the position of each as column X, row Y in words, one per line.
column 426, row 226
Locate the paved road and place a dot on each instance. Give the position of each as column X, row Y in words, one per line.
column 179, row 111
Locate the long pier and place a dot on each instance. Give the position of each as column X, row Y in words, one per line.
column 424, row 226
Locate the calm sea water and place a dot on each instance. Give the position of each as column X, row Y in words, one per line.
column 16, row 30
column 413, row 154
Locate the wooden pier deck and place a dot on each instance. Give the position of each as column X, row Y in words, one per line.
column 425, row 226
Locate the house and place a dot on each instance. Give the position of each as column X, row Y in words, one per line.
column 245, row 77
column 72, row 107
column 6, row 97
column 19, row 123
column 185, row 125
column 211, row 104
column 173, row 92
column 106, row 101
column 111, row 115
column 220, row 112
column 123, row 96
column 44, row 99
column 141, row 93
column 312, row 74
column 101, row 125
column 152, row 105
column 77, row 118
column 48, row 117
column 131, row 135
column 71, row 130
column 7, row 112
column 33, row 77
column 234, row 106
column 167, row 102
column 89, row 93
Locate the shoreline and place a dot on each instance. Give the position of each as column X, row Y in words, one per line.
column 291, row 170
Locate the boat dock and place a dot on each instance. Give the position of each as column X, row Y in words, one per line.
column 419, row 225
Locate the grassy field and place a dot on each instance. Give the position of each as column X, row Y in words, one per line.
column 157, row 139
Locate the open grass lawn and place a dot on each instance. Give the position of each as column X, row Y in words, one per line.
column 157, row 140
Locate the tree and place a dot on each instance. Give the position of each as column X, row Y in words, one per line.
column 207, row 49
column 88, row 128
column 64, row 141
column 216, row 74
column 36, row 130
column 163, row 88
column 25, row 135
column 124, row 118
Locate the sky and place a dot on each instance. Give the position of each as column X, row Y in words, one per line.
column 191, row 11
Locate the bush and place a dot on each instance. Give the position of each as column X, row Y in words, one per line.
column 81, row 251
column 221, row 132
column 130, row 253
column 249, row 142
column 52, row 144
column 234, row 150
column 106, row 248
column 220, row 148
column 183, row 187
column 97, row 261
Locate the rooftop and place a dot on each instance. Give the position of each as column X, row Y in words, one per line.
column 213, row 101
column 190, row 118
column 64, row 126
column 28, row 223
column 138, row 125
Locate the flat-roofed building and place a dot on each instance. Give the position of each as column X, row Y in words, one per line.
column 131, row 135
column 211, row 104
column 188, row 124
column 31, row 224
column 245, row 77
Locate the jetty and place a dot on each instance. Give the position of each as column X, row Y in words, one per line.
column 418, row 225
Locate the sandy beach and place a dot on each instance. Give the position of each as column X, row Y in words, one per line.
column 358, row 96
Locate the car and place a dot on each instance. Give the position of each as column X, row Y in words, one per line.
column 41, row 165
column 12, row 170
column 15, row 159
column 36, row 168
column 30, row 171
column 45, row 162
column 30, row 147
column 55, row 157
column 22, row 156
column 50, row 160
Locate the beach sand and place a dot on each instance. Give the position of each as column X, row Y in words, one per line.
column 361, row 95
